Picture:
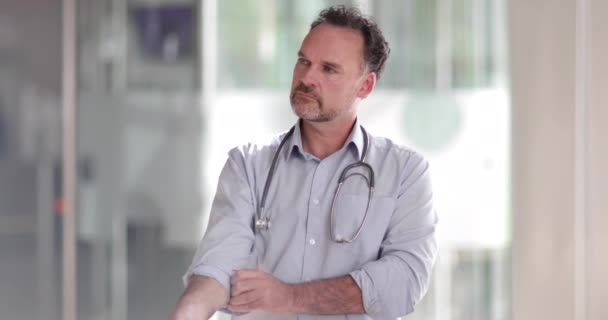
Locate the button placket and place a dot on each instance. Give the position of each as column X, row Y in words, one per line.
column 312, row 239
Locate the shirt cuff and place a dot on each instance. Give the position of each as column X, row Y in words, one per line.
column 371, row 301
column 209, row 271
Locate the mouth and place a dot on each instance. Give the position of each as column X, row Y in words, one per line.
column 305, row 95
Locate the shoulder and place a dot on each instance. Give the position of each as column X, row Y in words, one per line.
column 388, row 150
column 261, row 148
column 399, row 167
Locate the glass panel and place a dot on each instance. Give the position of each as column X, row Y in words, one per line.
column 466, row 142
column 30, row 160
column 474, row 42
column 259, row 40
column 411, row 29
column 139, row 141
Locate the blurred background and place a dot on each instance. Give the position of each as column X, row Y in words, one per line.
column 503, row 97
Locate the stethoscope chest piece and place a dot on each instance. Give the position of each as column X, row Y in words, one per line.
column 262, row 223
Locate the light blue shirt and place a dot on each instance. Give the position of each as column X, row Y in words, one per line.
column 390, row 261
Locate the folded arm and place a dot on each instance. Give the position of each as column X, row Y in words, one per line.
column 201, row 299
column 225, row 247
column 393, row 284
column 255, row 290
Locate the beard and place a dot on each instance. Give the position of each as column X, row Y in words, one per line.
column 310, row 105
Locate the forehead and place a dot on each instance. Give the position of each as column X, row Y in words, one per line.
column 334, row 44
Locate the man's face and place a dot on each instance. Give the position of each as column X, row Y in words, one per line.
column 328, row 75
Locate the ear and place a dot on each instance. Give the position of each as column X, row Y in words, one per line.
column 367, row 85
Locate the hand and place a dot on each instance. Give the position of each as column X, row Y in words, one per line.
column 255, row 290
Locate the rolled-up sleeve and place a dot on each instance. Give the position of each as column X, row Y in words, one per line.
column 393, row 284
column 229, row 238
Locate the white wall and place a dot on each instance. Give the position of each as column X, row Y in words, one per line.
column 597, row 237
column 560, row 161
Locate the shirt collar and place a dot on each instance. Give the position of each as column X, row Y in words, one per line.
column 355, row 139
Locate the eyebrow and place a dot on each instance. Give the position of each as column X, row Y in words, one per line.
column 325, row 63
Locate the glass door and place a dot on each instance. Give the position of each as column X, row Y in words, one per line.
column 30, row 160
column 139, row 128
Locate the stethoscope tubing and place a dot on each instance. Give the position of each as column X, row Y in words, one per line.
column 262, row 222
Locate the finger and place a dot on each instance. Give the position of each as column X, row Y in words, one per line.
column 252, row 305
column 245, row 298
column 247, row 273
column 241, row 309
column 246, row 280
column 241, row 286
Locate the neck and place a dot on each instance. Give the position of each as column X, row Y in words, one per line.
column 321, row 139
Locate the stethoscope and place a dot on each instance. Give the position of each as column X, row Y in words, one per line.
column 262, row 221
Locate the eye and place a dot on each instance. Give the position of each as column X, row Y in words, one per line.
column 329, row 69
column 303, row 61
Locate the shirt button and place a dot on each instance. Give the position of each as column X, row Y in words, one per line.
column 312, row 241
column 315, row 201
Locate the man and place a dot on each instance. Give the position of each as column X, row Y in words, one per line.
column 321, row 254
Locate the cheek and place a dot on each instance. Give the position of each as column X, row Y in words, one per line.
column 298, row 71
column 337, row 91
column 295, row 76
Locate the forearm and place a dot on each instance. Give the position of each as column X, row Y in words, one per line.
column 332, row 296
column 201, row 299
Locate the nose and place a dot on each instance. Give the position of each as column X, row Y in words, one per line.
column 309, row 77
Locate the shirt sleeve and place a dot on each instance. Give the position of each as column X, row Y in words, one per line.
column 228, row 241
column 393, row 284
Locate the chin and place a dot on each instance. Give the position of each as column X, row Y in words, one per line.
column 300, row 108
column 313, row 116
